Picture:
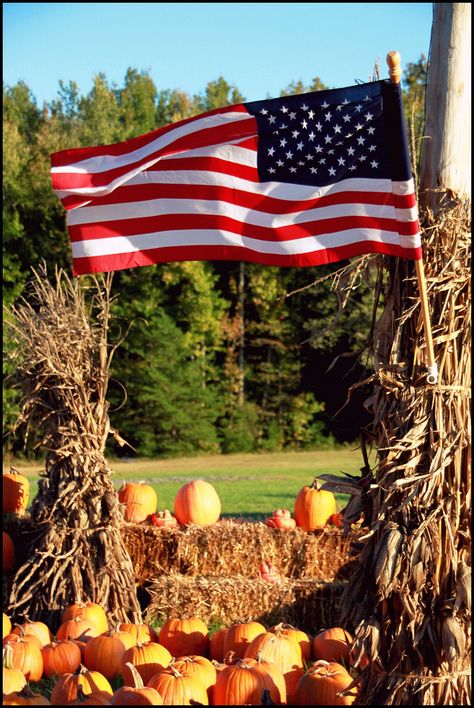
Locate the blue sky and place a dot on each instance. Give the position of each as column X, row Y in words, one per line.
column 258, row 47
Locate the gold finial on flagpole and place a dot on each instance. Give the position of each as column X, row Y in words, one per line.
column 394, row 66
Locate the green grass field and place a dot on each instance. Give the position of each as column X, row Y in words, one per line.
column 248, row 485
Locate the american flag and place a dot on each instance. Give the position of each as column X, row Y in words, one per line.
column 300, row 180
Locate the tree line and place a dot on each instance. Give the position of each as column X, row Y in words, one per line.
column 220, row 356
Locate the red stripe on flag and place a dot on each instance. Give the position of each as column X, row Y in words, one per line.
column 191, row 222
column 102, row 264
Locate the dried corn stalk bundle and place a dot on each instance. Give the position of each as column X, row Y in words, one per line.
column 62, row 360
column 309, row 604
column 408, row 598
column 233, row 548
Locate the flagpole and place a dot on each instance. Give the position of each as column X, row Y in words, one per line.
column 395, row 73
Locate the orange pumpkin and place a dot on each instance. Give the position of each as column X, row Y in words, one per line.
column 277, row 689
column 148, row 659
column 178, row 690
column 104, row 653
column 137, row 694
column 140, row 632
column 283, row 651
column 200, row 667
column 140, row 501
column 25, row 697
column 26, row 655
column 314, row 507
column 13, row 679
column 239, row 636
column 333, row 644
column 185, row 636
column 298, row 635
column 65, row 690
column 78, row 628
column 241, row 684
column 321, row 684
column 16, row 492
column 61, row 657
column 97, row 698
column 8, row 558
column 87, row 610
column 216, row 644
column 197, row 502
column 36, row 629
column 7, row 625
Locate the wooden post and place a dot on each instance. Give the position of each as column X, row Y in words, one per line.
column 395, row 72
column 446, row 149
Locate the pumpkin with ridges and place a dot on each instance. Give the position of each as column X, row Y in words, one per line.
column 60, row 657
column 241, row 684
column 90, row 611
column 140, row 501
column 26, row 655
column 148, row 659
column 314, row 507
column 137, row 694
column 333, row 644
column 197, row 502
column 104, row 653
column 282, row 650
column 322, row 684
column 239, row 635
column 184, row 636
column 178, row 690
column 65, row 689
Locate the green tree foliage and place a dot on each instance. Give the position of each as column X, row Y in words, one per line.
column 414, row 82
column 198, row 327
column 167, row 411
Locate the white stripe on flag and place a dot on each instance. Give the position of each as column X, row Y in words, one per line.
column 215, row 238
column 157, row 207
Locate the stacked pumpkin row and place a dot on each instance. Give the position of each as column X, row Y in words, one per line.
column 197, row 502
column 244, row 664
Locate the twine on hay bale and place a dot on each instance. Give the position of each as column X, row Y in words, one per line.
column 231, row 548
column 309, row 604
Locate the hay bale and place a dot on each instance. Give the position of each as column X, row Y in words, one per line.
column 232, row 548
column 309, row 604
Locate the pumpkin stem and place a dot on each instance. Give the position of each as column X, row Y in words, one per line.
column 137, row 679
column 229, row 657
column 81, row 669
column 315, row 484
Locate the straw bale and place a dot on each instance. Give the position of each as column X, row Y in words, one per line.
column 231, row 548
column 309, row 604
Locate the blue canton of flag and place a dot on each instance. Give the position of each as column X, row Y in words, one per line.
column 324, row 137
